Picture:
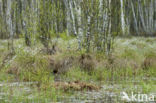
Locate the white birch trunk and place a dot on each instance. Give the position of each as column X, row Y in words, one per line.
column 68, row 17
column 122, row 17
column 109, row 29
column 10, row 24
column 80, row 30
column 73, row 17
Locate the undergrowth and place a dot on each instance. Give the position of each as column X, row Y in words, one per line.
column 125, row 64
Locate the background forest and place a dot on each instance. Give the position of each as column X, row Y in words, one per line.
column 93, row 22
column 62, row 48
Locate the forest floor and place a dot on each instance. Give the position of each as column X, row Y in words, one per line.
column 68, row 75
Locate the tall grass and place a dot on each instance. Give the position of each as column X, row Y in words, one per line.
column 125, row 66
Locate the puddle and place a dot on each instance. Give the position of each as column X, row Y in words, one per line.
column 17, row 84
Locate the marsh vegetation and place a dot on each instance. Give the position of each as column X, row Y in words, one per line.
column 74, row 51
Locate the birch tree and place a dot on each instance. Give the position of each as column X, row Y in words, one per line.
column 9, row 15
column 94, row 23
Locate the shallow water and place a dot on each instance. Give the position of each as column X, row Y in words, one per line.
column 109, row 93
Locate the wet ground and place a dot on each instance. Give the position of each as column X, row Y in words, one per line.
column 110, row 93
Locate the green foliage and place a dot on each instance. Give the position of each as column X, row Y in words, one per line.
column 65, row 37
column 129, row 53
column 32, row 65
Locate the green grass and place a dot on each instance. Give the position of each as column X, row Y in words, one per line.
column 29, row 64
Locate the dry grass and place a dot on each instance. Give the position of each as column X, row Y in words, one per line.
column 76, row 85
column 149, row 62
